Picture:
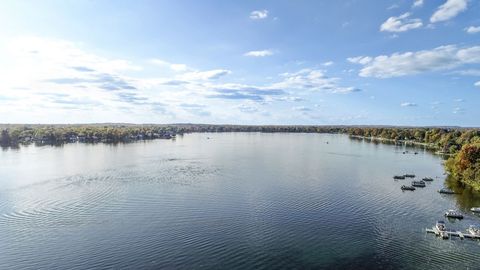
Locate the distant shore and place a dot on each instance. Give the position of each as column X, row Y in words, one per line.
column 429, row 146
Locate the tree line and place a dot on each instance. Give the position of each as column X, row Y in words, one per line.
column 14, row 135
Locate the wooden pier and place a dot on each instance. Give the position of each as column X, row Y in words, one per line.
column 450, row 233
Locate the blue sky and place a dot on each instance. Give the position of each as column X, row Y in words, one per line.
column 398, row 62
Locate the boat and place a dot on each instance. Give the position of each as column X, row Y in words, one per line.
column 403, row 187
column 446, row 191
column 418, row 184
column 440, row 226
column 427, row 179
column 409, row 175
column 474, row 230
column 399, row 177
column 441, row 229
column 453, row 214
column 475, row 209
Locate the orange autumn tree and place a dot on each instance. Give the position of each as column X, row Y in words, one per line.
column 465, row 166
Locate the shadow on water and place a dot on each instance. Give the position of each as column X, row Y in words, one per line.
column 465, row 196
column 7, row 147
column 64, row 143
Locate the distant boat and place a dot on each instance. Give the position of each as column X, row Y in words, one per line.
column 427, row 179
column 418, row 183
column 399, row 177
column 403, row 187
column 475, row 209
column 446, row 191
column 453, row 214
column 410, row 175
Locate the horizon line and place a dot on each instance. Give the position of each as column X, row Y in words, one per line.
column 255, row 125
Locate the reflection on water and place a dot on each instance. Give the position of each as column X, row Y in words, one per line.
column 466, row 197
column 236, row 200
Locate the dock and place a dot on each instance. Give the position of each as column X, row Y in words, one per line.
column 451, row 233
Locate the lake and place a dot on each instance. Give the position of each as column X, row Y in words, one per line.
column 227, row 201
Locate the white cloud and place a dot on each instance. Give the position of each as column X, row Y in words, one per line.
column 363, row 60
column 178, row 67
column 472, row 29
column 60, row 81
column 409, row 63
column 417, row 3
column 290, row 98
column 204, row 75
column 346, row 90
column 301, row 109
column 328, row 63
column 261, row 53
column 248, row 108
column 185, row 74
column 57, row 76
column 60, row 53
column 458, row 110
column 35, row 59
column 477, row 84
column 408, row 104
column 448, row 10
column 394, row 6
column 314, row 80
column 259, row 14
column 468, row 72
column 400, row 24
column 172, row 66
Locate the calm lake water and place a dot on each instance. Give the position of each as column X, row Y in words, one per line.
column 227, row 201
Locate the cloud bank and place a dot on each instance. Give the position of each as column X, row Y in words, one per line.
column 410, row 63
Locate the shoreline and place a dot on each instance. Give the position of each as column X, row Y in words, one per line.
column 431, row 146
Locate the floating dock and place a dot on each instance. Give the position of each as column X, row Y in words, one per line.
column 451, row 233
